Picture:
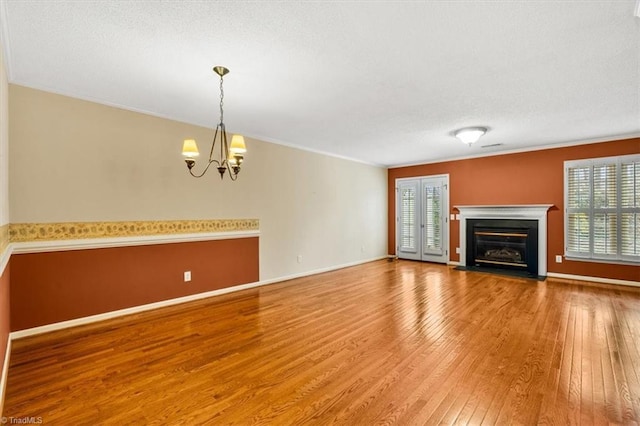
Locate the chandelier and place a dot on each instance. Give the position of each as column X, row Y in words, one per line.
column 228, row 157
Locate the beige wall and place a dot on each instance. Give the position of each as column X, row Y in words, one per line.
column 73, row 160
column 4, row 220
column 4, row 143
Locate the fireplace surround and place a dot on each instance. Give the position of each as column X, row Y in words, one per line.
column 510, row 236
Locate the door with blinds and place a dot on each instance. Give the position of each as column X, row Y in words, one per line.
column 422, row 225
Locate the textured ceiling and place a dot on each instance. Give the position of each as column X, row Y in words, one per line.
column 381, row 82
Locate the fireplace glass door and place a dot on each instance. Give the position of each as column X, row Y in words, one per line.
column 501, row 248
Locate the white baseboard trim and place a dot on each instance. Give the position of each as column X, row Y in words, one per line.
column 5, row 374
column 170, row 302
column 321, row 270
column 127, row 311
column 593, row 279
column 453, row 263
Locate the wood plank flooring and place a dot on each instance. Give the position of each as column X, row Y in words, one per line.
column 382, row 343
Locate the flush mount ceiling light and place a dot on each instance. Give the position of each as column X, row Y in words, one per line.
column 230, row 157
column 470, row 135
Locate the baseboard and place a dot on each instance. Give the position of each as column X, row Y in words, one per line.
column 593, row 279
column 453, row 263
column 5, row 374
column 170, row 302
column 127, row 311
column 321, row 270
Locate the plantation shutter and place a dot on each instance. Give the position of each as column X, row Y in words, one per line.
column 630, row 208
column 605, row 217
column 407, row 218
column 602, row 208
column 578, row 208
column 432, row 218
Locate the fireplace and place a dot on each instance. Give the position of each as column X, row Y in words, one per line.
column 503, row 252
column 507, row 245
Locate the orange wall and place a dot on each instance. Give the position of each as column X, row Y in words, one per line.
column 4, row 314
column 58, row 286
column 535, row 177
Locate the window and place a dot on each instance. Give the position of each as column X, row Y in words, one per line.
column 602, row 208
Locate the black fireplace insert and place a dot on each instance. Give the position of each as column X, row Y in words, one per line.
column 503, row 245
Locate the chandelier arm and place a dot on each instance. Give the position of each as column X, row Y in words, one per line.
column 213, row 143
column 224, row 151
column 204, row 171
column 232, row 175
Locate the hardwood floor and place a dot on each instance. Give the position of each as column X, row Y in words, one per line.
column 386, row 342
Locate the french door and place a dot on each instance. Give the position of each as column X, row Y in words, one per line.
column 422, row 223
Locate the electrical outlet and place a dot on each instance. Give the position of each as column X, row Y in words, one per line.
column 299, row 258
column 457, row 250
column 187, row 276
column 558, row 258
column 453, row 216
column 362, row 249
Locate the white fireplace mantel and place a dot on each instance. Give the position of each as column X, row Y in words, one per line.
column 517, row 211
